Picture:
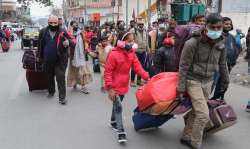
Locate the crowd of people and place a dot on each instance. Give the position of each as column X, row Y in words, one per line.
column 203, row 52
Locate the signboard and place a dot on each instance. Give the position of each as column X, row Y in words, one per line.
column 96, row 17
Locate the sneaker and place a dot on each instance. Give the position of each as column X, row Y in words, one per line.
column 63, row 102
column 122, row 138
column 113, row 125
column 132, row 84
column 85, row 90
column 248, row 107
column 139, row 83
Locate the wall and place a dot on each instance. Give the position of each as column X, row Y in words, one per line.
column 238, row 11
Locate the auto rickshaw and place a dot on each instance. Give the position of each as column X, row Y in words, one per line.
column 30, row 37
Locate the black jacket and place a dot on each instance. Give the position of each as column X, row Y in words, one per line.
column 62, row 52
column 165, row 60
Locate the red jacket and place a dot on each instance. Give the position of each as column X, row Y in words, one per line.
column 117, row 70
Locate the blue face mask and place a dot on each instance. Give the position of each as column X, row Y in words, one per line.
column 214, row 34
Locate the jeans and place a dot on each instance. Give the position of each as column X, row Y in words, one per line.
column 117, row 113
column 141, row 57
column 55, row 70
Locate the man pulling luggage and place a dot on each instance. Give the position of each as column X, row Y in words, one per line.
column 53, row 48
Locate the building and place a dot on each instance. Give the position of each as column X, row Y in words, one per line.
column 23, row 11
column 237, row 10
column 7, row 9
column 91, row 10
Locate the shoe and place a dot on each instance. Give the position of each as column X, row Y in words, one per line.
column 122, row 138
column 85, row 90
column 102, row 89
column 188, row 143
column 139, row 83
column 248, row 106
column 132, row 84
column 63, row 102
column 113, row 125
column 50, row 95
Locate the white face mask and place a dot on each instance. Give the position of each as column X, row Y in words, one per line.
column 135, row 46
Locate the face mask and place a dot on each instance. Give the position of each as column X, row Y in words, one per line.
column 128, row 47
column 75, row 28
column 53, row 28
column 135, row 46
column 214, row 34
column 162, row 26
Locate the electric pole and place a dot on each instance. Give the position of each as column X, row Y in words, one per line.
column 149, row 13
column 127, row 13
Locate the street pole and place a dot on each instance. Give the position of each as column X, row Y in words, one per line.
column 127, row 13
column 85, row 12
column 149, row 13
column 1, row 8
column 138, row 7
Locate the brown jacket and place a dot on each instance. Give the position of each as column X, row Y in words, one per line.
column 200, row 59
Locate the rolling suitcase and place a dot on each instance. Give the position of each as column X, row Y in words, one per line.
column 144, row 121
column 36, row 80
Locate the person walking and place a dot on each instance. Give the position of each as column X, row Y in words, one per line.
column 141, row 39
column 233, row 52
column 116, row 76
column 78, row 72
column 53, row 48
column 201, row 57
column 102, row 50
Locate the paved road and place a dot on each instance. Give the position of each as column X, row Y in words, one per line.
column 31, row 121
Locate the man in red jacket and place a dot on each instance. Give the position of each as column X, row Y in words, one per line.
column 116, row 76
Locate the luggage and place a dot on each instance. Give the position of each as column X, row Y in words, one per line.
column 222, row 116
column 5, row 45
column 175, row 107
column 30, row 62
column 144, row 121
column 36, row 80
column 161, row 90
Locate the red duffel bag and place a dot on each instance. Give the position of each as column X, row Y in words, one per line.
column 161, row 88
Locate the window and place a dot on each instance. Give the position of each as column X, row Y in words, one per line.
column 96, row 1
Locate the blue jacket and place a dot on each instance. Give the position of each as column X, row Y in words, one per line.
column 232, row 49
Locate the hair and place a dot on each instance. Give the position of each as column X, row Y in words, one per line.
column 228, row 19
column 103, row 38
column 124, row 36
column 214, row 18
column 72, row 22
column 196, row 17
column 132, row 21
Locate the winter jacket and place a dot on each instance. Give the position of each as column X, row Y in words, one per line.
column 60, row 37
column 102, row 53
column 141, row 40
column 232, row 49
column 117, row 70
column 200, row 59
column 165, row 60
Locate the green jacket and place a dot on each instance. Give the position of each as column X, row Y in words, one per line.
column 199, row 61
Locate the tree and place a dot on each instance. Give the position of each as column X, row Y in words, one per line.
column 28, row 2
